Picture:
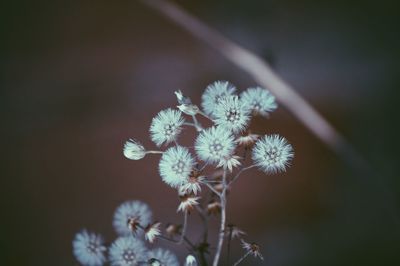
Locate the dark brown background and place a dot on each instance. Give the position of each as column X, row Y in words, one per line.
column 80, row 77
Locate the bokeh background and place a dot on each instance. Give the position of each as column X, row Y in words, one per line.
column 80, row 77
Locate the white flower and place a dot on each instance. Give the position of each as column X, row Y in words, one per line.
column 164, row 257
column 229, row 162
column 215, row 144
column 192, row 186
column 190, row 261
column 253, row 249
column 152, row 231
column 127, row 251
column 89, row 249
column 186, row 105
column 272, row 153
column 187, row 203
column 166, row 126
column 134, row 150
column 129, row 214
column 175, row 166
column 259, row 100
column 232, row 114
column 213, row 95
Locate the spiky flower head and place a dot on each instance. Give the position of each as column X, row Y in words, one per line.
column 164, row 257
column 152, row 231
column 272, row 153
column 166, row 126
column 187, row 203
column 259, row 101
column 215, row 144
column 175, row 166
column 253, row 249
column 192, row 186
column 232, row 114
column 127, row 251
column 89, row 248
column 213, row 95
column 190, row 261
column 134, row 150
column 129, row 215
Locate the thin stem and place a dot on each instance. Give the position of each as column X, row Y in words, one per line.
column 240, row 172
column 185, row 217
column 197, row 124
column 155, row 152
column 242, row 258
column 198, row 128
column 223, row 220
column 229, row 245
column 204, row 219
column 211, row 188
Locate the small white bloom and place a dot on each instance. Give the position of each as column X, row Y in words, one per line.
column 134, row 150
column 164, row 257
column 232, row 114
column 213, row 95
column 129, row 214
column 89, row 249
column 190, row 261
column 166, row 126
column 152, row 231
column 175, row 166
column 215, row 144
column 127, row 251
column 192, row 186
column 272, row 154
column 229, row 162
column 253, row 249
column 187, row 203
column 259, row 100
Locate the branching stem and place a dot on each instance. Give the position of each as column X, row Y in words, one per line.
column 223, row 220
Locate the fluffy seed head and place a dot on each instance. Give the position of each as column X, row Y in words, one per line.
column 232, row 114
column 272, row 154
column 166, row 126
column 213, row 95
column 134, row 150
column 89, row 249
column 127, row 251
column 175, row 166
column 164, row 257
column 259, row 101
column 129, row 215
column 215, row 144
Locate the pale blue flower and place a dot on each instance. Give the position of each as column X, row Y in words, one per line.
column 259, row 101
column 215, row 144
column 89, row 249
column 135, row 210
column 164, row 257
column 128, row 251
column 175, row 166
column 272, row 153
column 232, row 114
column 213, row 95
column 166, row 126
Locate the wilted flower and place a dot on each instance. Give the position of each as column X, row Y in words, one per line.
column 164, row 257
column 173, row 229
column 127, row 251
column 259, row 100
column 175, row 166
column 214, row 207
column 192, row 185
column 187, row 203
column 253, row 249
column 272, row 154
column 247, row 140
column 229, row 162
column 190, row 261
column 129, row 215
column 215, row 144
column 89, row 249
column 186, row 105
column 166, row 126
column 134, row 150
column 214, row 93
column 234, row 231
column 152, row 231
column 232, row 114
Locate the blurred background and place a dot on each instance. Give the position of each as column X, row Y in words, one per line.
column 78, row 78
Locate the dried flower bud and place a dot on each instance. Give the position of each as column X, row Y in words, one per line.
column 133, row 224
column 214, row 207
column 234, row 231
column 134, row 150
column 253, row 248
column 185, row 104
column 229, row 162
column 187, row 203
column 247, row 140
column 172, row 229
column 190, row 261
column 192, row 185
column 152, row 231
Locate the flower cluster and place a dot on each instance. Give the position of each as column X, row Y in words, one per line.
column 201, row 174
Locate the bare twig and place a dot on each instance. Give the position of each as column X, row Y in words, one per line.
column 242, row 258
column 223, row 218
